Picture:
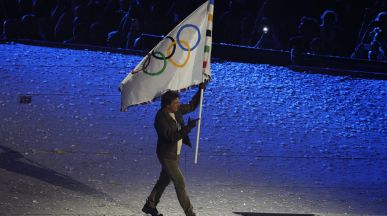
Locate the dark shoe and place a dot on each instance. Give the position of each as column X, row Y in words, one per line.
column 149, row 210
column 190, row 212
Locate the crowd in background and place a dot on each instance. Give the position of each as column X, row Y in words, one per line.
column 356, row 29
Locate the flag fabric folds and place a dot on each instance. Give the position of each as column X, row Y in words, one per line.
column 179, row 61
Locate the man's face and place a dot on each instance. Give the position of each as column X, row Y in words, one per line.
column 174, row 106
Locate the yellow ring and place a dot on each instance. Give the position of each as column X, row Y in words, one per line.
column 185, row 43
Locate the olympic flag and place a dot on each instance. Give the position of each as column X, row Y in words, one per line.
column 179, row 61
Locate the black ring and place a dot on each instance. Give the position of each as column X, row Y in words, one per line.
column 173, row 51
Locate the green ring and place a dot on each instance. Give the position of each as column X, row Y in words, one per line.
column 162, row 69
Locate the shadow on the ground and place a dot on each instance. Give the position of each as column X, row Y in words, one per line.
column 14, row 161
column 270, row 214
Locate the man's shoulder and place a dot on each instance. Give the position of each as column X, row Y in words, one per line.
column 159, row 112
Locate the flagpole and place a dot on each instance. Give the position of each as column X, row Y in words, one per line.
column 206, row 64
column 199, row 124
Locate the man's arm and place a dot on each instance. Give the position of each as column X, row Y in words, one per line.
column 168, row 133
column 191, row 106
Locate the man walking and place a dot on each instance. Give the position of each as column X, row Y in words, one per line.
column 172, row 133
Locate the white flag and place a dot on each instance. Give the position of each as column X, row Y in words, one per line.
column 179, row 61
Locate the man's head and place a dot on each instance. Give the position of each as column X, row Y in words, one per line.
column 329, row 18
column 308, row 27
column 170, row 101
column 382, row 20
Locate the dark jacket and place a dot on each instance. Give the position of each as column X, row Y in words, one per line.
column 167, row 131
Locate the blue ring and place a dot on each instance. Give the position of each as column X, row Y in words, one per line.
column 178, row 36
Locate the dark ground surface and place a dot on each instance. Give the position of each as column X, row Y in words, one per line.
column 273, row 140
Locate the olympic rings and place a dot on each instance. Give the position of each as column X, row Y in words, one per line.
column 169, row 55
column 179, row 32
column 144, row 65
column 183, row 44
column 162, row 69
column 186, row 59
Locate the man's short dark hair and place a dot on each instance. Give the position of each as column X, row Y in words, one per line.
column 168, row 97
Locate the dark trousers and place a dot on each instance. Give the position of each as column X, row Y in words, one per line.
column 170, row 171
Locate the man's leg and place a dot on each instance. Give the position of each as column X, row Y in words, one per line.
column 158, row 189
column 173, row 170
